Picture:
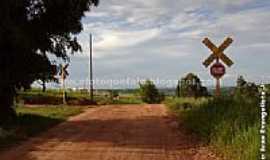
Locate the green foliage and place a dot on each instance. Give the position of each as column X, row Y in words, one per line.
column 190, row 86
column 30, row 30
column 149, row 93
column 246, row 90
column 231, row 125
column 48, row 75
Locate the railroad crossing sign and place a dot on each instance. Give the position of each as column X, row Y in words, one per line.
column 218, row 70
column 63, row 71
column 218, row 52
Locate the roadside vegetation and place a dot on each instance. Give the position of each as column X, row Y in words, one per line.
column 32, row 121
column 229, row 124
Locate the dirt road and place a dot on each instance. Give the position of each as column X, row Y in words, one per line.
column 129, row 132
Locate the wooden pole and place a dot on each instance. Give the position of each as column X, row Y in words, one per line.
column 218, row 92
column 63, row 86
column 91, row 69
column 217, row 83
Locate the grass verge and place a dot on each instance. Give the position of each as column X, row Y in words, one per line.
column 32, row 121
column 54, row 97
column 230, row 125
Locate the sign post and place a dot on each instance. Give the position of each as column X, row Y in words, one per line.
column 64, row 73
column 218, row 70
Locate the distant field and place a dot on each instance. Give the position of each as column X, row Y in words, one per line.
column 101, row 96
column 54, row 96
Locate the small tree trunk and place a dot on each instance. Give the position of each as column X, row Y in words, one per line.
column 7, row 111
column 43, row 86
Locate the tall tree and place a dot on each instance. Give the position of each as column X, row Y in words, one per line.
column 29, row 31
column 191, row 86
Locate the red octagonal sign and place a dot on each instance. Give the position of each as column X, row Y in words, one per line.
column 217, row 70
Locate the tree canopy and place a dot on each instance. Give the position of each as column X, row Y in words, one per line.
column 29, row 31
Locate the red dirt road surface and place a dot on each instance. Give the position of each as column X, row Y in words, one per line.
column 117, row 132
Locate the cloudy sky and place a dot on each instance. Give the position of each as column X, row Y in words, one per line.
column 162, row 39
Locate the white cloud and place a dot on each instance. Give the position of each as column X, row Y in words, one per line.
column 137, row 31
column 96, row 14
column 116, row 39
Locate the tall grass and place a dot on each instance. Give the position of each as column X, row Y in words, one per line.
column 230, row 125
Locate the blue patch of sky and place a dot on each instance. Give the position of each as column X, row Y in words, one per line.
column 257, row 4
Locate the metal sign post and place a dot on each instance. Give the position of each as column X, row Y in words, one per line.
column 218, row 70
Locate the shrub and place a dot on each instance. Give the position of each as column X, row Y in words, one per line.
column 245, row 90
column 179, row 104
column 149, row 93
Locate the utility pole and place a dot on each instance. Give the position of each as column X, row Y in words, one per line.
column 91, row 87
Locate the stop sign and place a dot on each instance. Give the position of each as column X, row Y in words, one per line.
column 217, row 70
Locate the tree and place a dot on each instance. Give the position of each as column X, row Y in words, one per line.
column 241, row 81
column 246, row 90
column 29, row 31
column 191, row 86
column 149, row 93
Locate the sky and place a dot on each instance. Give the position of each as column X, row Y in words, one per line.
column 162, row 40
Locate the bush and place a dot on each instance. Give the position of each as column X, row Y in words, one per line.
column 180, row 104
column 149, row 93
column 191, row 86
column 245, row 90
